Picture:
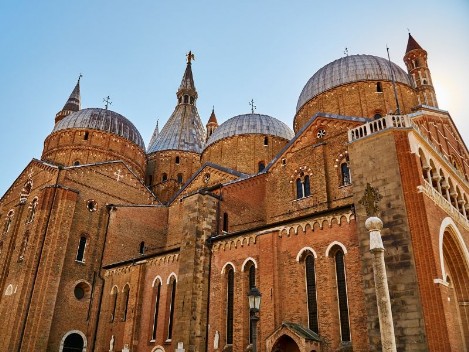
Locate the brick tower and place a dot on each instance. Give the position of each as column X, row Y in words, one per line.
column 212, row 124
column 415, row 59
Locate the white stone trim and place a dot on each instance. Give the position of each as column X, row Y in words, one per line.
column 158, row 277
column 158, row 349
column 332, row 244
column 246, row 261
column 112, row 289
column 73, row 332
column 445, row 224
column 170, row 276
column 304, row 249
column 226, row 264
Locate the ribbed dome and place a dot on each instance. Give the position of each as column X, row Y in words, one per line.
column 251, row 124
column 348, row 69
column 103, row 120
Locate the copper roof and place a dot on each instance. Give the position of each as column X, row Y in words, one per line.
column 348, row 69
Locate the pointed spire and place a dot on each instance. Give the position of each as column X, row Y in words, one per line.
column 412, row 44
column 155, row 134
column 213, row 118
column 73, row 103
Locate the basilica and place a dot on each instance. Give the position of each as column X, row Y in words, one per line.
column 246, row 235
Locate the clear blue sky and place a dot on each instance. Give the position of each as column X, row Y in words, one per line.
column 266, row 50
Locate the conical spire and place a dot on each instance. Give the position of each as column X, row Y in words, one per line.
column 73, row 103
column 213, row 118
column 412, row 44
column 212, row 124
column 155, row 134
column 183, row 130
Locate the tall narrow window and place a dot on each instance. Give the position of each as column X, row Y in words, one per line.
column 342, row 295
column 141, row 249
column 171, row 308
column 177, row 160
column 24, row 245
column 157, row 292
column 81, row 250
column 31, row 211
column 266, row 140
column 125, row 302
column 311, row 294
column 164, row 177
column 225, row 222
column 7, row 222
column 379, row 87
column 345, row 174
column 113, row 302
column 306, row 186
column 299, row 189
column 252, row 284
column 86, row 135
column 179, row 176
column 229, row 306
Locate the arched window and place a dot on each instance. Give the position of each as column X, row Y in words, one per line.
column 179, row 176
column 342, row 293
column 113, row 302
column 31, row 211
column 7, row 222
column 261, row 166
column 251, row 284
column 345, row 174
column 81, row 250
column 225, row 222
column 141, row 248
column 156, row 299
column 266, row 140
column 229, row 305
column 377, row 116
column 171, row 307
column 24, row 245
column 164, row 177
column 311, row 293
column 186, row 99
column 73, row 343
column 303, row 188
column 177, row 160
column 85, row 136
column 379, row 87
column 125, row 301
column 26, row 191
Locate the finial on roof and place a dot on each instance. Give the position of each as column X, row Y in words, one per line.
column 190, row 56
column 79, row 77
column 253, row 107
column 346, row 51
column 107, row 102
column 213, row 118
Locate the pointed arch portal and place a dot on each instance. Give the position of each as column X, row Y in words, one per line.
column 285, row 344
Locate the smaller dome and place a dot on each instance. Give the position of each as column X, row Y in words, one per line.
column 102, row 120
column 251, row 124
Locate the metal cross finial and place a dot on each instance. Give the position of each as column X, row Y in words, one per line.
column 253, row 107
column 108, row 102
column 346, row 51
column 79, row 77
column 190, row 56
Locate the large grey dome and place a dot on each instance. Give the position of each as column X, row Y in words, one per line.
column 348, row 69
column 251, row 124
column 103, row 120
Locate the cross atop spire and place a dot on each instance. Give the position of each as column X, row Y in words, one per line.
column 107, row 102
column 253, row 107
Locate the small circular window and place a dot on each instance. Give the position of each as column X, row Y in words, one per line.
column 91, row 205
column 321, row 133
column 81, row 290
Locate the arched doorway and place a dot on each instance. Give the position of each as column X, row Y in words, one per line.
column 285, row 344
column 73, row 341
column 457, row 276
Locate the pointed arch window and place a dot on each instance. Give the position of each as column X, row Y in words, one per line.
column 251, row 284
column 171, row 308
column 342, row 294
column 345, row 174
column 156, row 299
column 81, row 250
column 26, row 191
column 229, row 305
column 125, row 301
column 113, row 302
column 311, row 293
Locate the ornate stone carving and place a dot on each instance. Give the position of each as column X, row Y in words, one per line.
column 370, row 200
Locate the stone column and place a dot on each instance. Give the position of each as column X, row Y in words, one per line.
column 388, row 340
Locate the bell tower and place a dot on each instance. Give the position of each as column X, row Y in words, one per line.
column 212, row 124
column 415, row 59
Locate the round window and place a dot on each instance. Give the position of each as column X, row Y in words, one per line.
column 81, row 290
